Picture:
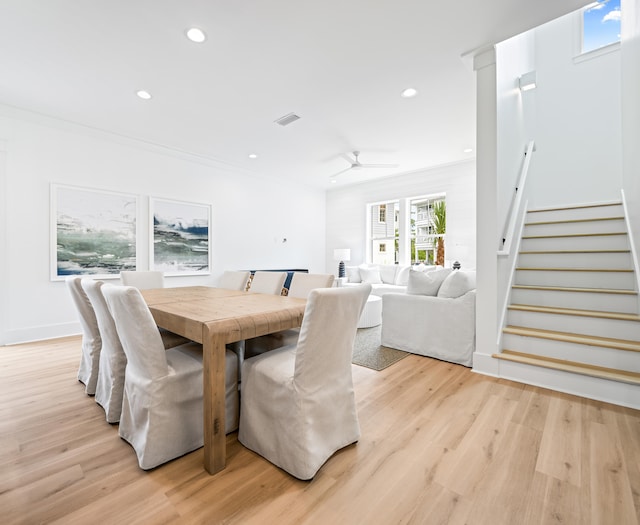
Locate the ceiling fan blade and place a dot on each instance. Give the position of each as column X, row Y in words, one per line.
column 347, row 158
column 379, row 165
column 340, row 172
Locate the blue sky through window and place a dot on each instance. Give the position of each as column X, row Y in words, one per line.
column 601, row 25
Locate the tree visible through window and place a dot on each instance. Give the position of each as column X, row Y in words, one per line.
column 600, row 24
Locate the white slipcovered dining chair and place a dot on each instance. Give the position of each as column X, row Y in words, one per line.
column 162, row 408
column 231, row 280
column 298, row 405
column 91, row 341
column 146, row 280
column 268, row 282
column 110, row 385
column 142, row 280
column 301, row 285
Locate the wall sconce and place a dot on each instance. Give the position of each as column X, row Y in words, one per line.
column 527, row 81
column 341, row 254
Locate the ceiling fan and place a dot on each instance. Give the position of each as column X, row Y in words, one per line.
column 356, row 164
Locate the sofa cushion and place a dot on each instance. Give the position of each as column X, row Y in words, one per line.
column 370, row 275
column 457, row 283
column 425, row 267
column 353, row 274
column 426, row 283
column 388, row 273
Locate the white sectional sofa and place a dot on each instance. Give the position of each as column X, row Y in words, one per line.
column 435, row 318
column 384, row 278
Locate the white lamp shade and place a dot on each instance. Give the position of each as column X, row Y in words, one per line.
column 341, row 254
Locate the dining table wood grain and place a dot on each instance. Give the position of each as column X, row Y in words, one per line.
column 215, row 317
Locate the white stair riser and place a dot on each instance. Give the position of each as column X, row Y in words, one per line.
column 573, row 260
column 572, row 228
column 613, row 328
column 590, row 387
column 592, row 355
column 586, row 242
column 582, row 300
column 589, row 279
column 595, row 212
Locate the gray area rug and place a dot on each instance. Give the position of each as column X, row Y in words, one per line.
column 368, row 352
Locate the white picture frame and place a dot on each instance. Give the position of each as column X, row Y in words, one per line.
column 93, row 232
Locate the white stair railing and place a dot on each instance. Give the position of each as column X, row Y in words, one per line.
column 515, row 204
column 509, row 241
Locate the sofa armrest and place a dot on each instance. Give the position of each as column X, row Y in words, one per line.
column 433, row 326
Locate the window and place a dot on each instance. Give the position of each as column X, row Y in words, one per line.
column 600, row 25
column 415, row 242
column 383, row 233
column 382, row 213
column 424, row 241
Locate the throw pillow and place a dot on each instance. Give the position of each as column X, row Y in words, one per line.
column 370, row 275
column 388, row 273
column 353, row 274
column 426, row 283
column 425, row 268
column 457, row 284
column 402, row 275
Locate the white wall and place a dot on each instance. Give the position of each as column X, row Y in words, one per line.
column 347, row 210
column 515, row 114
column 630, row 57
column 250, row 215
column 578, row 120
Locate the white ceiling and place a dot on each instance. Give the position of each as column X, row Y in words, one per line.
column 338, row 64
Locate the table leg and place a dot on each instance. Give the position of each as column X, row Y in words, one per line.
column 214, row 400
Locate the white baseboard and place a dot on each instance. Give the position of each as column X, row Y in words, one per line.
column 40, row 333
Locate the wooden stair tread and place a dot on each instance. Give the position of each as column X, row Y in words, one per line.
column 572, row 252
column 613, row 374
column 575, row 311
column 549, row 269
column 572, row 289
column 567, row 337
column 578, row 207
column 568, row 235
column 575, row 221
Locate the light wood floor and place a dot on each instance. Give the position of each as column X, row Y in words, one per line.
column 439, row 444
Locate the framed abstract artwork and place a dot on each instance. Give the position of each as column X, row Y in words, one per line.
column 93, row 232
column 180, row 237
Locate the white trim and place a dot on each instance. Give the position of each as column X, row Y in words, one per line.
column 634, row 251
column 595, row 53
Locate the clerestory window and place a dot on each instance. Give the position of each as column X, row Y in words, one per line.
column 601, row 25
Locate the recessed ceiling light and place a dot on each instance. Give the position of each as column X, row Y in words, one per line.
column 467, row 150
column 409, row 92
column 145, row 95
column 196, row 35
column 333, row 181
column 253, row 156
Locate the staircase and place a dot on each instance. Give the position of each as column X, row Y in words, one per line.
column 573, row 321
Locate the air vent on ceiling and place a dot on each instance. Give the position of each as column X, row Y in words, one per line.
column 287, row 119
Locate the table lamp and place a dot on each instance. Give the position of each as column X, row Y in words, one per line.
column 341, row 254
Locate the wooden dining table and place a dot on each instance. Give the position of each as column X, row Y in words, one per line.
column 215, row 317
